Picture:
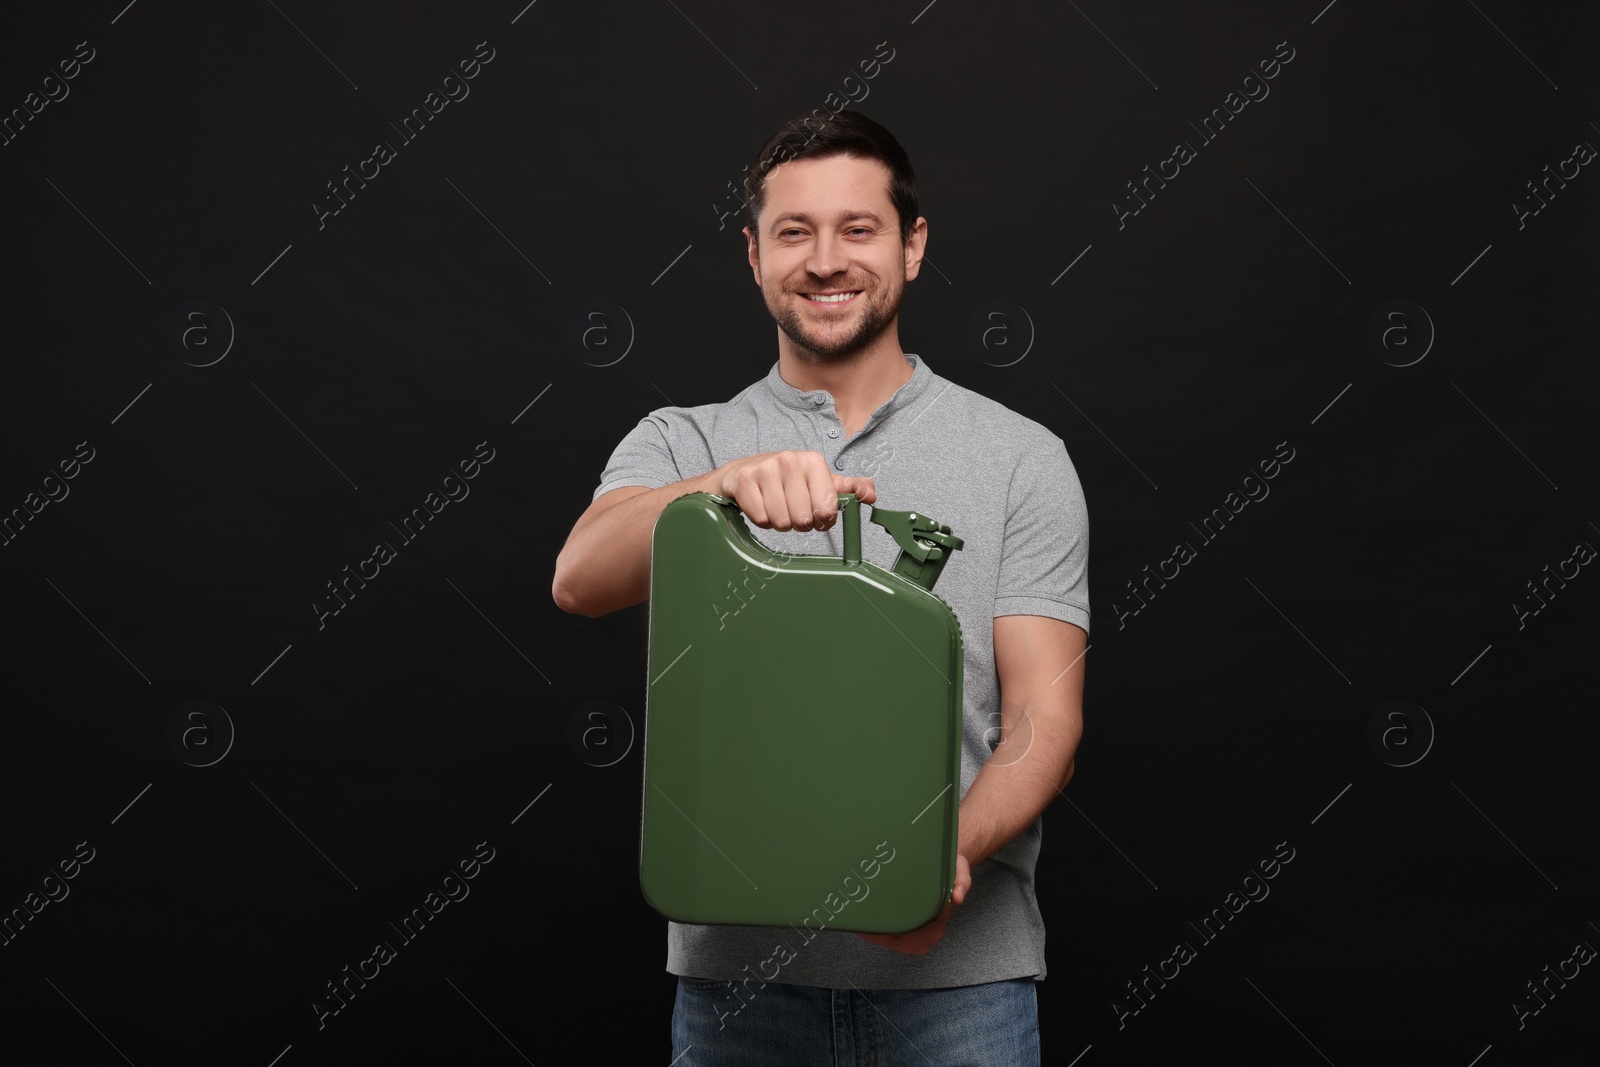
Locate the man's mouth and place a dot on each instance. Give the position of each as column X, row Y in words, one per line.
column 832, row 298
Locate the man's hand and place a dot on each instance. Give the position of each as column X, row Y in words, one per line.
column 791, row 490
column 917, row 942
column 605, row 564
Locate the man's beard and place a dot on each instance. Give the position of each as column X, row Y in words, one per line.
column 874, row 319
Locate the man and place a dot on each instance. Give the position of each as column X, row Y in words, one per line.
column 833, row 237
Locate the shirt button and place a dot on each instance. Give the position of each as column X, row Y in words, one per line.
column 839, row 463
column 816, row 400
column 833, row 433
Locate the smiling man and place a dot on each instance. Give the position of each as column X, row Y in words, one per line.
column 833, row 237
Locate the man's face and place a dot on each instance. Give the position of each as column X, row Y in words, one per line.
column 829, row 229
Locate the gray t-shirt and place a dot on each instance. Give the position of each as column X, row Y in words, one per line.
column 1001, row 482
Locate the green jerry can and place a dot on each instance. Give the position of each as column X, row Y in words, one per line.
column 802, row 739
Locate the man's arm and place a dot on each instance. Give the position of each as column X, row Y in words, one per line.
column 605, row 564
column 1040, row 665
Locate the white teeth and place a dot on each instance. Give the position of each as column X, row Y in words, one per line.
column 829, row 299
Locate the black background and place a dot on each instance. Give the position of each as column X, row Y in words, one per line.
column 588, row 163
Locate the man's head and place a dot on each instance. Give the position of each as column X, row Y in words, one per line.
column 832, row 213
column 843, row 133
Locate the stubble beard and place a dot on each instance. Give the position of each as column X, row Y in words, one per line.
column 875, row 317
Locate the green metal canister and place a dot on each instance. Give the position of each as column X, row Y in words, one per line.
column 802, row 740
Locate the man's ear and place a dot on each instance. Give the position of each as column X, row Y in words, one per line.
column 754, row 254
column 915, row 245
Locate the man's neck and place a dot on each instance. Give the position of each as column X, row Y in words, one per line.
column 859, row 386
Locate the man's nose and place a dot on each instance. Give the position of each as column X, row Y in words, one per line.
column 828, row 256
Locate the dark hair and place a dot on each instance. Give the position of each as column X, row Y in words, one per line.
column 847, row 133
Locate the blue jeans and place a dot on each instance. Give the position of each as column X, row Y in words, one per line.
column 995, row 1024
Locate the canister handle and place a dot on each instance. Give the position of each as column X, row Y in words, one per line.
column 850, row 508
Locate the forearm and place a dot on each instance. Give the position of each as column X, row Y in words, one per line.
column 605, row 564
column 1012, row 789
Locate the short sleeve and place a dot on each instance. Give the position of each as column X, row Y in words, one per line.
column 643, row 457
column 1044, row 555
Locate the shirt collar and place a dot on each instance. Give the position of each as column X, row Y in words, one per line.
column 807, row 399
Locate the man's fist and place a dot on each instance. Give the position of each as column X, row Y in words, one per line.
column 791, row 490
